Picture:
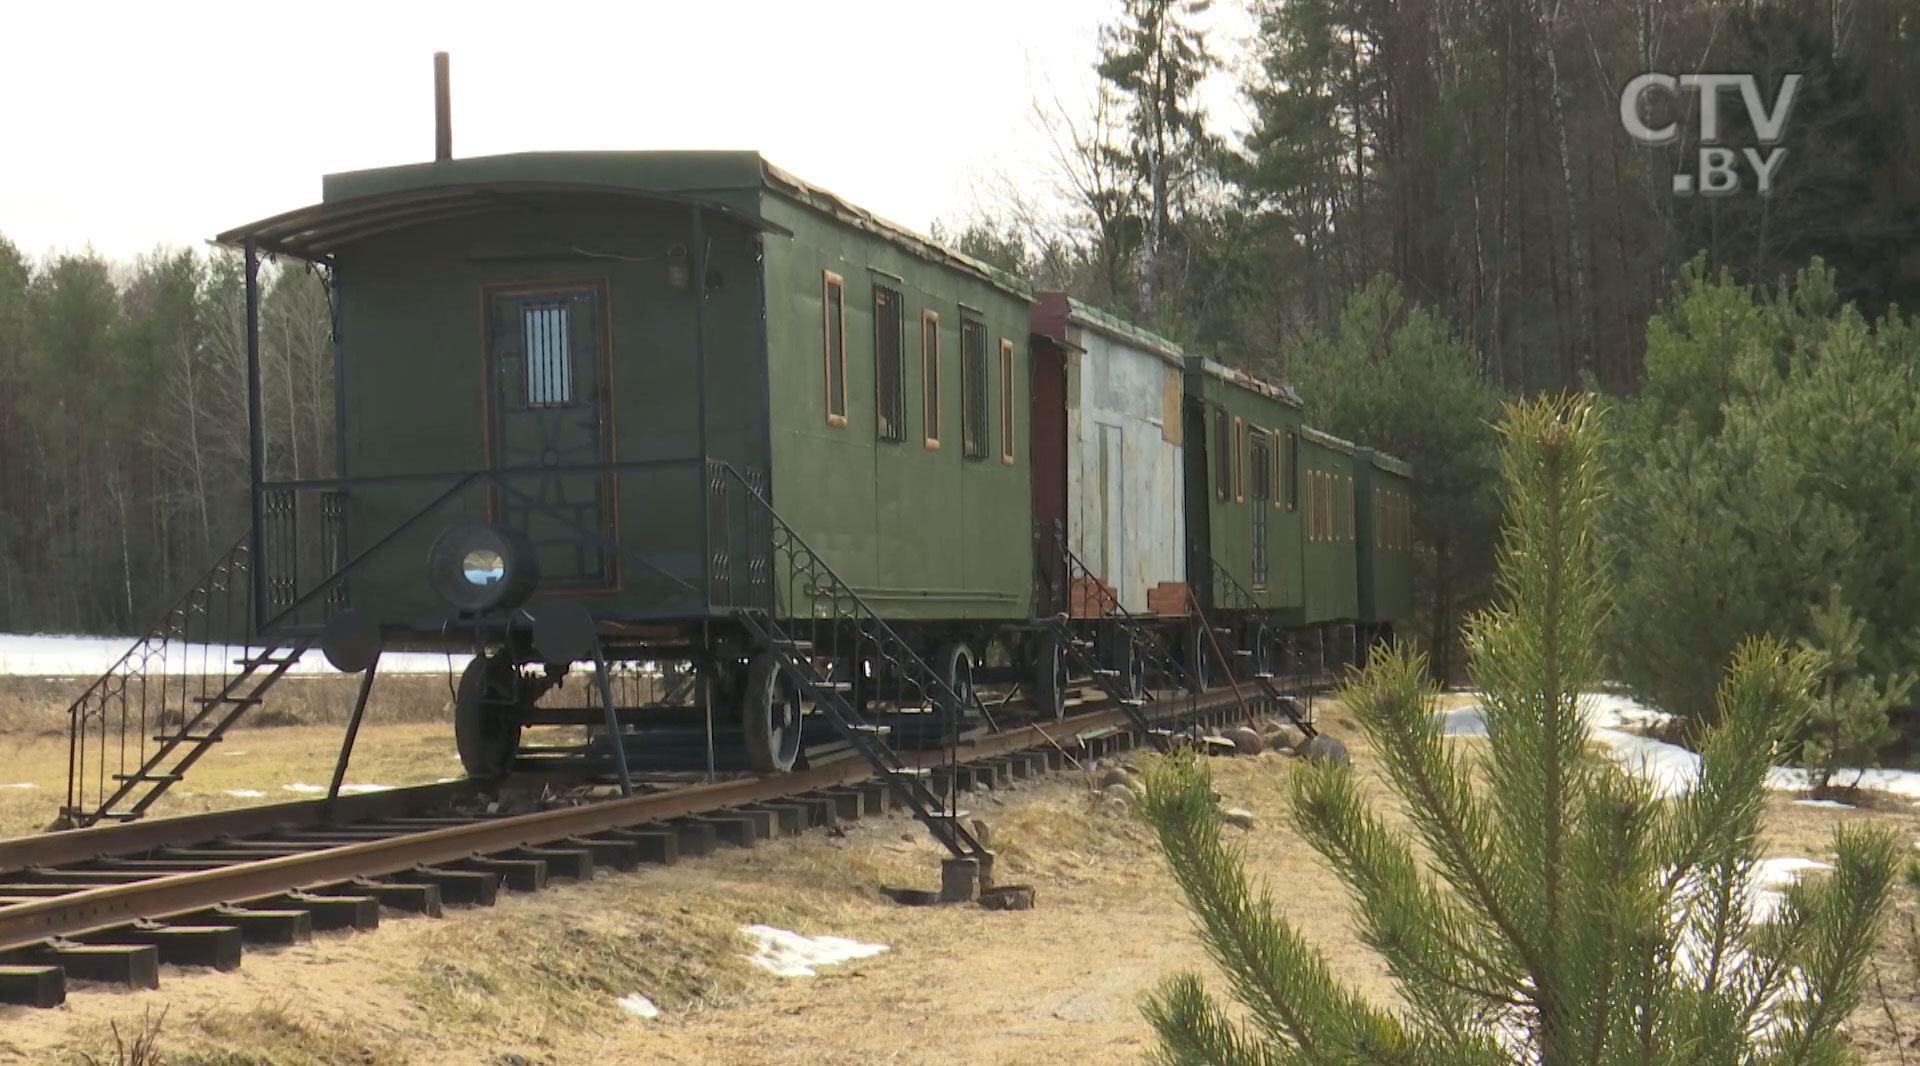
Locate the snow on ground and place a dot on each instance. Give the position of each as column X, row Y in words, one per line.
column 63, row 656
column 638, row 1006
column 345, row 790
column 1669, row 768
column 788, row 954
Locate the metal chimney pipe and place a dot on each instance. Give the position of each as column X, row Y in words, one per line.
column 442, row 111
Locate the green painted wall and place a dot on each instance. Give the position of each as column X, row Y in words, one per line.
column 920, row 532
column 1385, row 564
column 1328, row 559
column 411, row 330
column 1230, row 521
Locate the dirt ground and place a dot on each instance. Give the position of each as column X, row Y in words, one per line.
column 535, row 978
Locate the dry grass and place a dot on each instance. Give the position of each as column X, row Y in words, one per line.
column 538, row 975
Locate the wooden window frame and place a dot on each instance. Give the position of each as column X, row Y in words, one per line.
column 1007, row 421
column 1239, row 460
column 828, row 281
column 1292, row 463
column 978, row 447
column 1222, row 443
column 899, row 434
column 930, row 379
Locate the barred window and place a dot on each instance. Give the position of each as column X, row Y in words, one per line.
column 1292, row 465
column 1239, row 461
column 889, row 343
column 973, row 389
column 549, row 355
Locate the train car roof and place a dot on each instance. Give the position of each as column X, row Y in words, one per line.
column 1054, row 311
column 1273, row 390
column 1388, row 463
column 363, row 203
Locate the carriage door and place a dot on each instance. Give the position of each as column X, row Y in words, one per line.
column 1261, row 460
column 546, row 349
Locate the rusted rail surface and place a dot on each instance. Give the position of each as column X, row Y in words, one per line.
column 26, row 923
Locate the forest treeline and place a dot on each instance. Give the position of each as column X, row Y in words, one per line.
column 1434, row 208
column 123, row 425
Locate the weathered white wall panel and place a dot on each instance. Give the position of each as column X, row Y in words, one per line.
column 1124, row 479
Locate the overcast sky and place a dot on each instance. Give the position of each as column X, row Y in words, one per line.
column 131, row 125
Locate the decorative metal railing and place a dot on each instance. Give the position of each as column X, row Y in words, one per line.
column 171, row 697
column 859, row 673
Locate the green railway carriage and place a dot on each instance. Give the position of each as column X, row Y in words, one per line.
column 1329, row 530
column 1384, row 539
column 569, row 386
column 1243, row 520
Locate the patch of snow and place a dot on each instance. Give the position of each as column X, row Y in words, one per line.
column 1462, row 722
column 638, row 1006
column 1669, row 768
column 246, row 793
column 1771, row 879
column 345, row 790
column 232, row 753
column 1823, row 803
column 46, row 655
column 21, row 784
column 788, row 954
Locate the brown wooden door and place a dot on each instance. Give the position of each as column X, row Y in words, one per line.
column 1049, row 457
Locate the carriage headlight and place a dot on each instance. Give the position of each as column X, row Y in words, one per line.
column 476, row 567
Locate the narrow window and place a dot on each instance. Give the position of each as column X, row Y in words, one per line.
column 833, row 342
column 1222, row 455
column 549, row 355
column 1239, row 461
column 1292, row 466
column 889, row 353
column 1260, row 458
column 1006, row 402
column 1346, row 508
column 930, row 377
column 973, row 389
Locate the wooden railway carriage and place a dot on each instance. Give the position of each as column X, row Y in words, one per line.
column 1383, row 528
column 571, row 371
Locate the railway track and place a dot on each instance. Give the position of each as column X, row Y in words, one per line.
column 115, row 903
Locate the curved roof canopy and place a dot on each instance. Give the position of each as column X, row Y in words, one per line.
column 316, row 232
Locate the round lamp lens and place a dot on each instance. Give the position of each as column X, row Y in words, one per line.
column 483, row 567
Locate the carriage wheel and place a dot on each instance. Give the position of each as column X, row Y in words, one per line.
column 955, row 664
column 486, row 718
column 1049, row 677
column 1199, row 662
column 770, row 716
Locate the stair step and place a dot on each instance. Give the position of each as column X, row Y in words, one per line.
column 1263, row 676
column 910, row 771
column 1131, row 701
column 791, row 644
column 235, row 700
column 265, row 660
column 871, row 730
column 832, row 686
column 169, row 778
column 1244, row 653
column 188, row 738
column 935, row 812
column 1100, row 671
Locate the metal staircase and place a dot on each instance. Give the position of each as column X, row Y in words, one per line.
column 173, row 696
column 836, row 623
column 1142, row 642
column 1238, row 597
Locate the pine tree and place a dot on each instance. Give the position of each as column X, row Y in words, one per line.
column 1848, row 724
column 1562, row 913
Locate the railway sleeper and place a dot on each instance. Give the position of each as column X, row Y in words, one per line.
column 329, row 912
column 660, row 846
column 520, row 875
column 185, row 943
column 280, row 928
column 413, row 897
column 44, row 987
column 478, row 888
column 130, row 965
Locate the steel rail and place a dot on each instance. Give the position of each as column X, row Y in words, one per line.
column 27, row 923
